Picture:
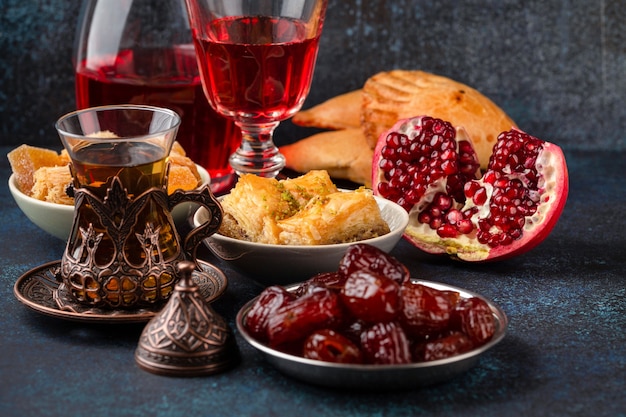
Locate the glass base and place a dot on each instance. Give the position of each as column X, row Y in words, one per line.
column 257, row 153
column 263, row 167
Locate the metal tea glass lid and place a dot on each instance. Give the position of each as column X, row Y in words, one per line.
column 187, row 338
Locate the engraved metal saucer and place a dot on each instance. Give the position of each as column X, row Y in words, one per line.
column 41, row 290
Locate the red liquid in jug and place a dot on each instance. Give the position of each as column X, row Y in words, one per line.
column 166, row 78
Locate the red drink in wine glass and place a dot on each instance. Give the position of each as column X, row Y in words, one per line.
column 257, row 60
column 257, row 68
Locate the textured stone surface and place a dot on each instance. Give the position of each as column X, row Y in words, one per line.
column 563, row 354
column 558, row 67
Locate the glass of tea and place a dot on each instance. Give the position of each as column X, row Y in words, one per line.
column 123, row 247
column 256, row 59
column 141, row 52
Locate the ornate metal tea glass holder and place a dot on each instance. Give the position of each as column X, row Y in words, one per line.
column 145, row 266
column 123, row 251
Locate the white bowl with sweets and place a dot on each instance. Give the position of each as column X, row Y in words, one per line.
column 281, row 232
column 50, row 208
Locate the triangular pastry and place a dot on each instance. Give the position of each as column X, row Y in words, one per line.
column 343, row 153
column 340, row 112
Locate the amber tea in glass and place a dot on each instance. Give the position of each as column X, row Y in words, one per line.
column 123, row 247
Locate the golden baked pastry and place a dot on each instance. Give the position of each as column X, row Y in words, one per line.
column 191, row 172
column 308, row 210
column 399, row 94
column 340, row 112
column 181, row 177
column 343, row 153
column 339, row 217
column 177, row 149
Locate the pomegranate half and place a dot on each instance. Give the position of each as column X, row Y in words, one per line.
column 430, row 168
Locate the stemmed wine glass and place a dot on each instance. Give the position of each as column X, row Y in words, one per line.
column 256, row 60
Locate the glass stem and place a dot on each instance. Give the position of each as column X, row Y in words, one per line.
column 257, row 154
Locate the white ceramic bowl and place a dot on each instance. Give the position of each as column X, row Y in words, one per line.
column 287, row 264
column 56, row 219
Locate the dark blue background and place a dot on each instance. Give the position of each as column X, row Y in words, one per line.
column 557, row 67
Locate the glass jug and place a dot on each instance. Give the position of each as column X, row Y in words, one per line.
column 141, row 52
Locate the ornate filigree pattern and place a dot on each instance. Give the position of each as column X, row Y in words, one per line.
column 187, row 337
column 114, row 279
column 41, row 289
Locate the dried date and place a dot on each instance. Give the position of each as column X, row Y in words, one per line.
column 371, row 297
column 426, row 311
column 300, row 317
column 370, row 258
column 443, row 347
column 386, row 343
column 329, row 346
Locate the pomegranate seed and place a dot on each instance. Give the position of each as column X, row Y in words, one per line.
column 435, row 223
column 490, row 177
column 404, row 154
column 480, row 197
column 470, row 188
column 465, row 226
column 385, row 164
column 470, row 212
column 387, row 152
column 505, row 239
column 439, row 127
column 501, row 183
column 393, row 140
column 449, row 167
column 412, row 197
column 424, row 218
column 493, row 241
column 443, row 201
column 454, row 216
column 446, row 145
column 448, row 155
column 447, row 230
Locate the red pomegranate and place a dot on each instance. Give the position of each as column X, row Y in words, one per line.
column 430, row 168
